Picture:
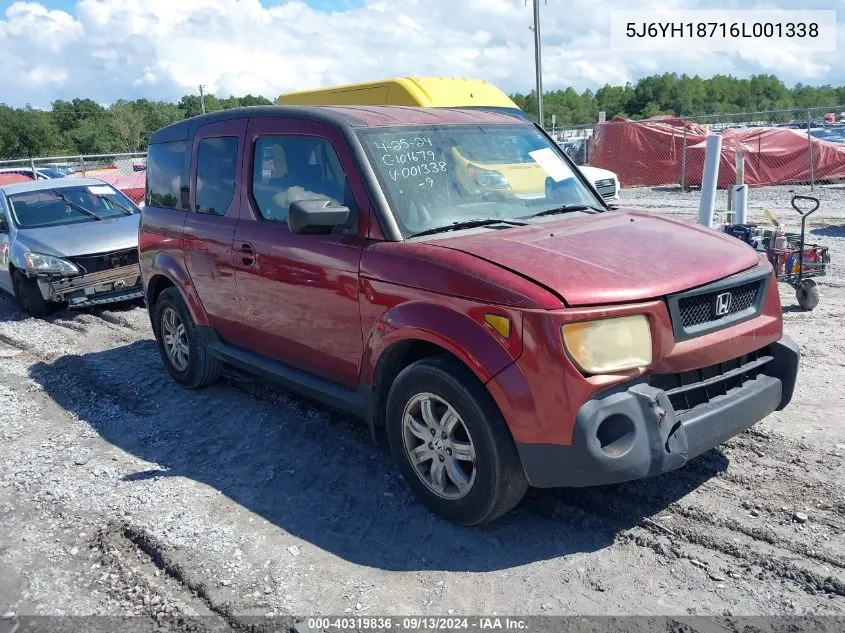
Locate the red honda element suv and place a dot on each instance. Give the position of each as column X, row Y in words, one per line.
column 449, row 276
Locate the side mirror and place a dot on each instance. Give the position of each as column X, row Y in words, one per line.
column 4, row 228
column 316, row 217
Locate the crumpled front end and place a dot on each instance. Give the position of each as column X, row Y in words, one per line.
column 106, row 278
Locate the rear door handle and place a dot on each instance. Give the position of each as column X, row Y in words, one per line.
column 247, row 254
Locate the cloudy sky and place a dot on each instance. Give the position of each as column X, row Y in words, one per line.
column 162, row 49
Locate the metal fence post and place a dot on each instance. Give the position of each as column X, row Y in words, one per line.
column 684, row 161
column 82, row 162
column 587, row 138
column 32, row 165
column 810, row 149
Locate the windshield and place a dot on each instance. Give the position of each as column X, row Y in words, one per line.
column 51, row 173
column 68, row 205
column 440, row 175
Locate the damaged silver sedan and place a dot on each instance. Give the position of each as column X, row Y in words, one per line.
column 68, row 242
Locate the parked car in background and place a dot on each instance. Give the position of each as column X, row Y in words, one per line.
column 41, row 173
column 496, row 341
column 66, row 169
column 69, row 241
column 605, row 181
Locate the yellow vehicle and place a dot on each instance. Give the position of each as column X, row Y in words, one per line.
column 429, row 92
column 520, row 179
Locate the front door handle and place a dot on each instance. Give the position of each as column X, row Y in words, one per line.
column 247, row 254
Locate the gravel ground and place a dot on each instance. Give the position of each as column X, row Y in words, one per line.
column 122, row 494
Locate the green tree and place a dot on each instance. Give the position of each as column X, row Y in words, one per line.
column 26, row 132
column 128, row 125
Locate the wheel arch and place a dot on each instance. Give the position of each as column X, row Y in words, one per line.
column 165, row 272
column 404, row 336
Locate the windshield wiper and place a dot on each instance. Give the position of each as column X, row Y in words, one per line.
column 67, row 200
column 467, row 224
column 126, row 211
column 567, row 208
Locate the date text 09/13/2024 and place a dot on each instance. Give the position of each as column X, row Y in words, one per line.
column 417, row 623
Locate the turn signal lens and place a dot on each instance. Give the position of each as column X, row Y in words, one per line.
column 501, row 324
column 609, row 345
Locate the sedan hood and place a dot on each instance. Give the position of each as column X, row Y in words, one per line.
column 83, row 238
column 596, row 173
column 614, row 257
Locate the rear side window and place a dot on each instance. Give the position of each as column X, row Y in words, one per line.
column 165, row 167
column 217, row 166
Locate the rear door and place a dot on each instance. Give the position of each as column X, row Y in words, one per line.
column 217, row 154
column 299, row 293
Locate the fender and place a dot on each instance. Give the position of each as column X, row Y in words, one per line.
column 457, row 333
column 165, row 265
column 16, row 255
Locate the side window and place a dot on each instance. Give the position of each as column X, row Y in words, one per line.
column 288, row 169
column 165, row 164
column 217, row 166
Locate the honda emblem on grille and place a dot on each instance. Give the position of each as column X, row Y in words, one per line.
column 723, row 303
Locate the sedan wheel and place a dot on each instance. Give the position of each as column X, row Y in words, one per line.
column 439, row 446
column 175, row 339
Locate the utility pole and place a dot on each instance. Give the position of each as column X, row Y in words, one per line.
column 538, row 67
column 202, row 98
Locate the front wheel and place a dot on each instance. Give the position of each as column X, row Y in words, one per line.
column 186, row 358
column 29, row 296
column 451, row 443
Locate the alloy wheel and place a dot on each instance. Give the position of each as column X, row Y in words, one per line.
column 175, row 339
column 439, row 446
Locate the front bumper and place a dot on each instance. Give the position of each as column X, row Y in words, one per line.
column 108, row 286
column 634, row 431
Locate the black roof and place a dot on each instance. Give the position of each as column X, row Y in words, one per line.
column 344, row 117
column 183, row 130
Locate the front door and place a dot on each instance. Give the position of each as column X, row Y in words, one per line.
column 299, row 293
column 5, row 247
column 209, row 229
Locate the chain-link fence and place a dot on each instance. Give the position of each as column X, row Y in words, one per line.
column 125, row 171
column 656, row 160
column 662, row 156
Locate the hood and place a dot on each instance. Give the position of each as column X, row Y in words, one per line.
column 596, row 173
column 614, row 257
column 84, row 238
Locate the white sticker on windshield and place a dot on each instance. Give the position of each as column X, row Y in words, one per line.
column 551, row 162
column 101, row 190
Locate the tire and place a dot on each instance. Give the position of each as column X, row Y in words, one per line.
column 478, row 444
column 807, row 294
column 29, row 296
column 186, row 358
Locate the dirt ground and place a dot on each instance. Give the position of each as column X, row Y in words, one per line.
column 123, row 494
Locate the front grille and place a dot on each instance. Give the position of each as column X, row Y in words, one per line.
column 606, row 187
column 699, row 309
column 99, row 262
column 718, row 305
column 690, row 389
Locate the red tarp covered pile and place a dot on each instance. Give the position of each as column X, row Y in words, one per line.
column 131, row 185
column 649, row 153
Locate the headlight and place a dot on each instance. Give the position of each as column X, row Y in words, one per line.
column 609, row 345
column 488, row 178
column 40, row 263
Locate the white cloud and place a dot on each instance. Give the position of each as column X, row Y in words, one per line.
column 161, row 49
